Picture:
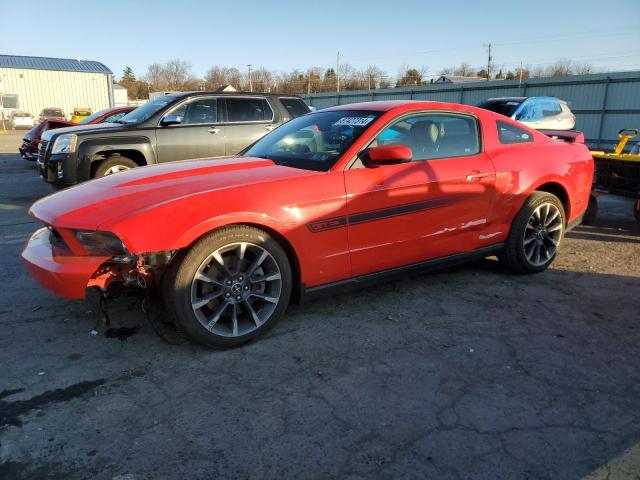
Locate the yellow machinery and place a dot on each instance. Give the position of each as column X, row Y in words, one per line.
column 617, row 173
column 80, row 114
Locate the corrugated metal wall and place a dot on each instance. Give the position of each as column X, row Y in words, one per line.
column 603, row 103
column 38, row 89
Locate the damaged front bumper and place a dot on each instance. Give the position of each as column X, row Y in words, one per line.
column 64, row 275
column 54, row 265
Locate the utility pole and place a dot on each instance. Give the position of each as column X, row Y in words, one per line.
column 489, row 58
column 309, row 84
column 338, row 72
column 250, row 81
column 520, row 82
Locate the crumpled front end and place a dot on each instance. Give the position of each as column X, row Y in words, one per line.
column 56, row 267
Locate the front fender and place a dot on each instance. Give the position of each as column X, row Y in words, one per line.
column 208, row 225
column 94, row 148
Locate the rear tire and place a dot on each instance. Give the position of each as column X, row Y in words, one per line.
column 231, row 286
column 114, row 165
column 535, row 234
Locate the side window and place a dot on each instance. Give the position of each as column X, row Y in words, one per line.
column 199, row 111
column 114, row 117
column 295, row 106
column 509, row 134
column 248, row 110
column 434, row 135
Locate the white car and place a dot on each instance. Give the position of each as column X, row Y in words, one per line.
column 21, row 120
column 541, row 113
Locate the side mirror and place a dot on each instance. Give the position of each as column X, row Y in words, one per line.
column 387, row 155
column 171, row 120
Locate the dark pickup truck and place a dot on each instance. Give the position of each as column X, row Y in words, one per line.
column 173, row 127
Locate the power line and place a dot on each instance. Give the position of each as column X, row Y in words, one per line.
column 552, row 38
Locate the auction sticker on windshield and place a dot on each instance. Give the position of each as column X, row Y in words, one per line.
column 354, row 121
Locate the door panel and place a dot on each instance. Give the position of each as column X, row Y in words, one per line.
column 247, row 119
column 199, row 135
column 403, row 214
column 431, row 207
column 240, row 136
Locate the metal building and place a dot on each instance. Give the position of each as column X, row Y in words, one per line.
column 33, row 83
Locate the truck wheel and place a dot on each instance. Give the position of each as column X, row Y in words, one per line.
column 229, row 287
column 592, row 211
column 114, row 165
column 535, row 234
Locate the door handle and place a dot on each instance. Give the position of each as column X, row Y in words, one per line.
column 270, row 128
column 476, row 175
column 213, row 130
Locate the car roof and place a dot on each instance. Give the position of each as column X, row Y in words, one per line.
column 230, row 94
column 404, row 105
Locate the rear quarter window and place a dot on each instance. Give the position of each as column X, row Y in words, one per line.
column 295, row 106
column 509, row 134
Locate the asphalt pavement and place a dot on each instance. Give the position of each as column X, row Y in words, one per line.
column 467, row 373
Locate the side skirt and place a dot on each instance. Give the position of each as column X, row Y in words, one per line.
column 355, row 283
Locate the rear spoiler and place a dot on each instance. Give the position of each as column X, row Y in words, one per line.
column 569, row 136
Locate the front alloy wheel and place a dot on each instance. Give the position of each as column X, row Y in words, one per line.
column 236, row 289
column 229, row 287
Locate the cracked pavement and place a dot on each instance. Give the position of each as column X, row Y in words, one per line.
column 467, row 373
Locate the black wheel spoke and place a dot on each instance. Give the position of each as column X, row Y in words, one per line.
column 542, row 234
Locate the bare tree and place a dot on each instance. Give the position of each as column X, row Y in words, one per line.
column 464, row 70
column 155, row 77
column 177, row 73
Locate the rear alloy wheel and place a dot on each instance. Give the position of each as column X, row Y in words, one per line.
column 114, row 165
column 535, row 234
column 230, row 286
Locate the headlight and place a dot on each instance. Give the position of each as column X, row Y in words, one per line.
column 101, row 244
column 65, row 143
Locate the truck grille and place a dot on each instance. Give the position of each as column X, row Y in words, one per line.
column 42, row 155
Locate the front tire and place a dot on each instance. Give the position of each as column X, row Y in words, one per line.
column 535, row 234
column 229, row 287
column 114, row 165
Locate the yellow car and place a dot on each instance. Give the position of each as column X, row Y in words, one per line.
column 80, row 114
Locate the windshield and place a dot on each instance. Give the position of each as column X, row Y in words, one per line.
column 148, row 110
column 314, row 141
column 53, row 112
column 503, row 107
column 96, row 115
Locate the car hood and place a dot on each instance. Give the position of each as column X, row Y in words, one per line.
column 103, row 202
column 79, row 129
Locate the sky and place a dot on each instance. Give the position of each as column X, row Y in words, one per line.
column 282, row 35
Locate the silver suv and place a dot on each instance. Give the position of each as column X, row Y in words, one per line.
column 541, row 113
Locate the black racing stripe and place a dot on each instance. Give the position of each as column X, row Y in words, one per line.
column 382, row 213
column 401, row 210
column 327, row 224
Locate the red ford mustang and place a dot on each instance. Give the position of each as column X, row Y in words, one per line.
column 329, row 200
